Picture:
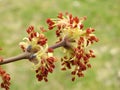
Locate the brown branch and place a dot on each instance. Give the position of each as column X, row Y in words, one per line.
column 26, row 55
column 22, row 56
column 63, row 43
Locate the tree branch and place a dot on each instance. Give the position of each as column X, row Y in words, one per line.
column 26, row 55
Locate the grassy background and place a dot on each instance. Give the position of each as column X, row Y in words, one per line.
column 103, row 15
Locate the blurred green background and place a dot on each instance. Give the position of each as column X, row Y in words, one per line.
column 103, row 15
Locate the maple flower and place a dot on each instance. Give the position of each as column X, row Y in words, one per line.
column 34, row 41
column 41, row 54
column 45, row 65
column 5, row 77
column 76, row 53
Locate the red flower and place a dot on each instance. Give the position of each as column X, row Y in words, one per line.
column 42, row 40
column 50, row 50
column 50, row 23
column 6, row 79
column 60, row 15
column 30, row 29
column 46, row 66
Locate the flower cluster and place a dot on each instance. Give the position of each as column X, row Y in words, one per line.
column 71, row 36
column 66, row 25
column 41, row 54
column 45, row 66
column 34, row 41
column 76, row 54
column 5, row 77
